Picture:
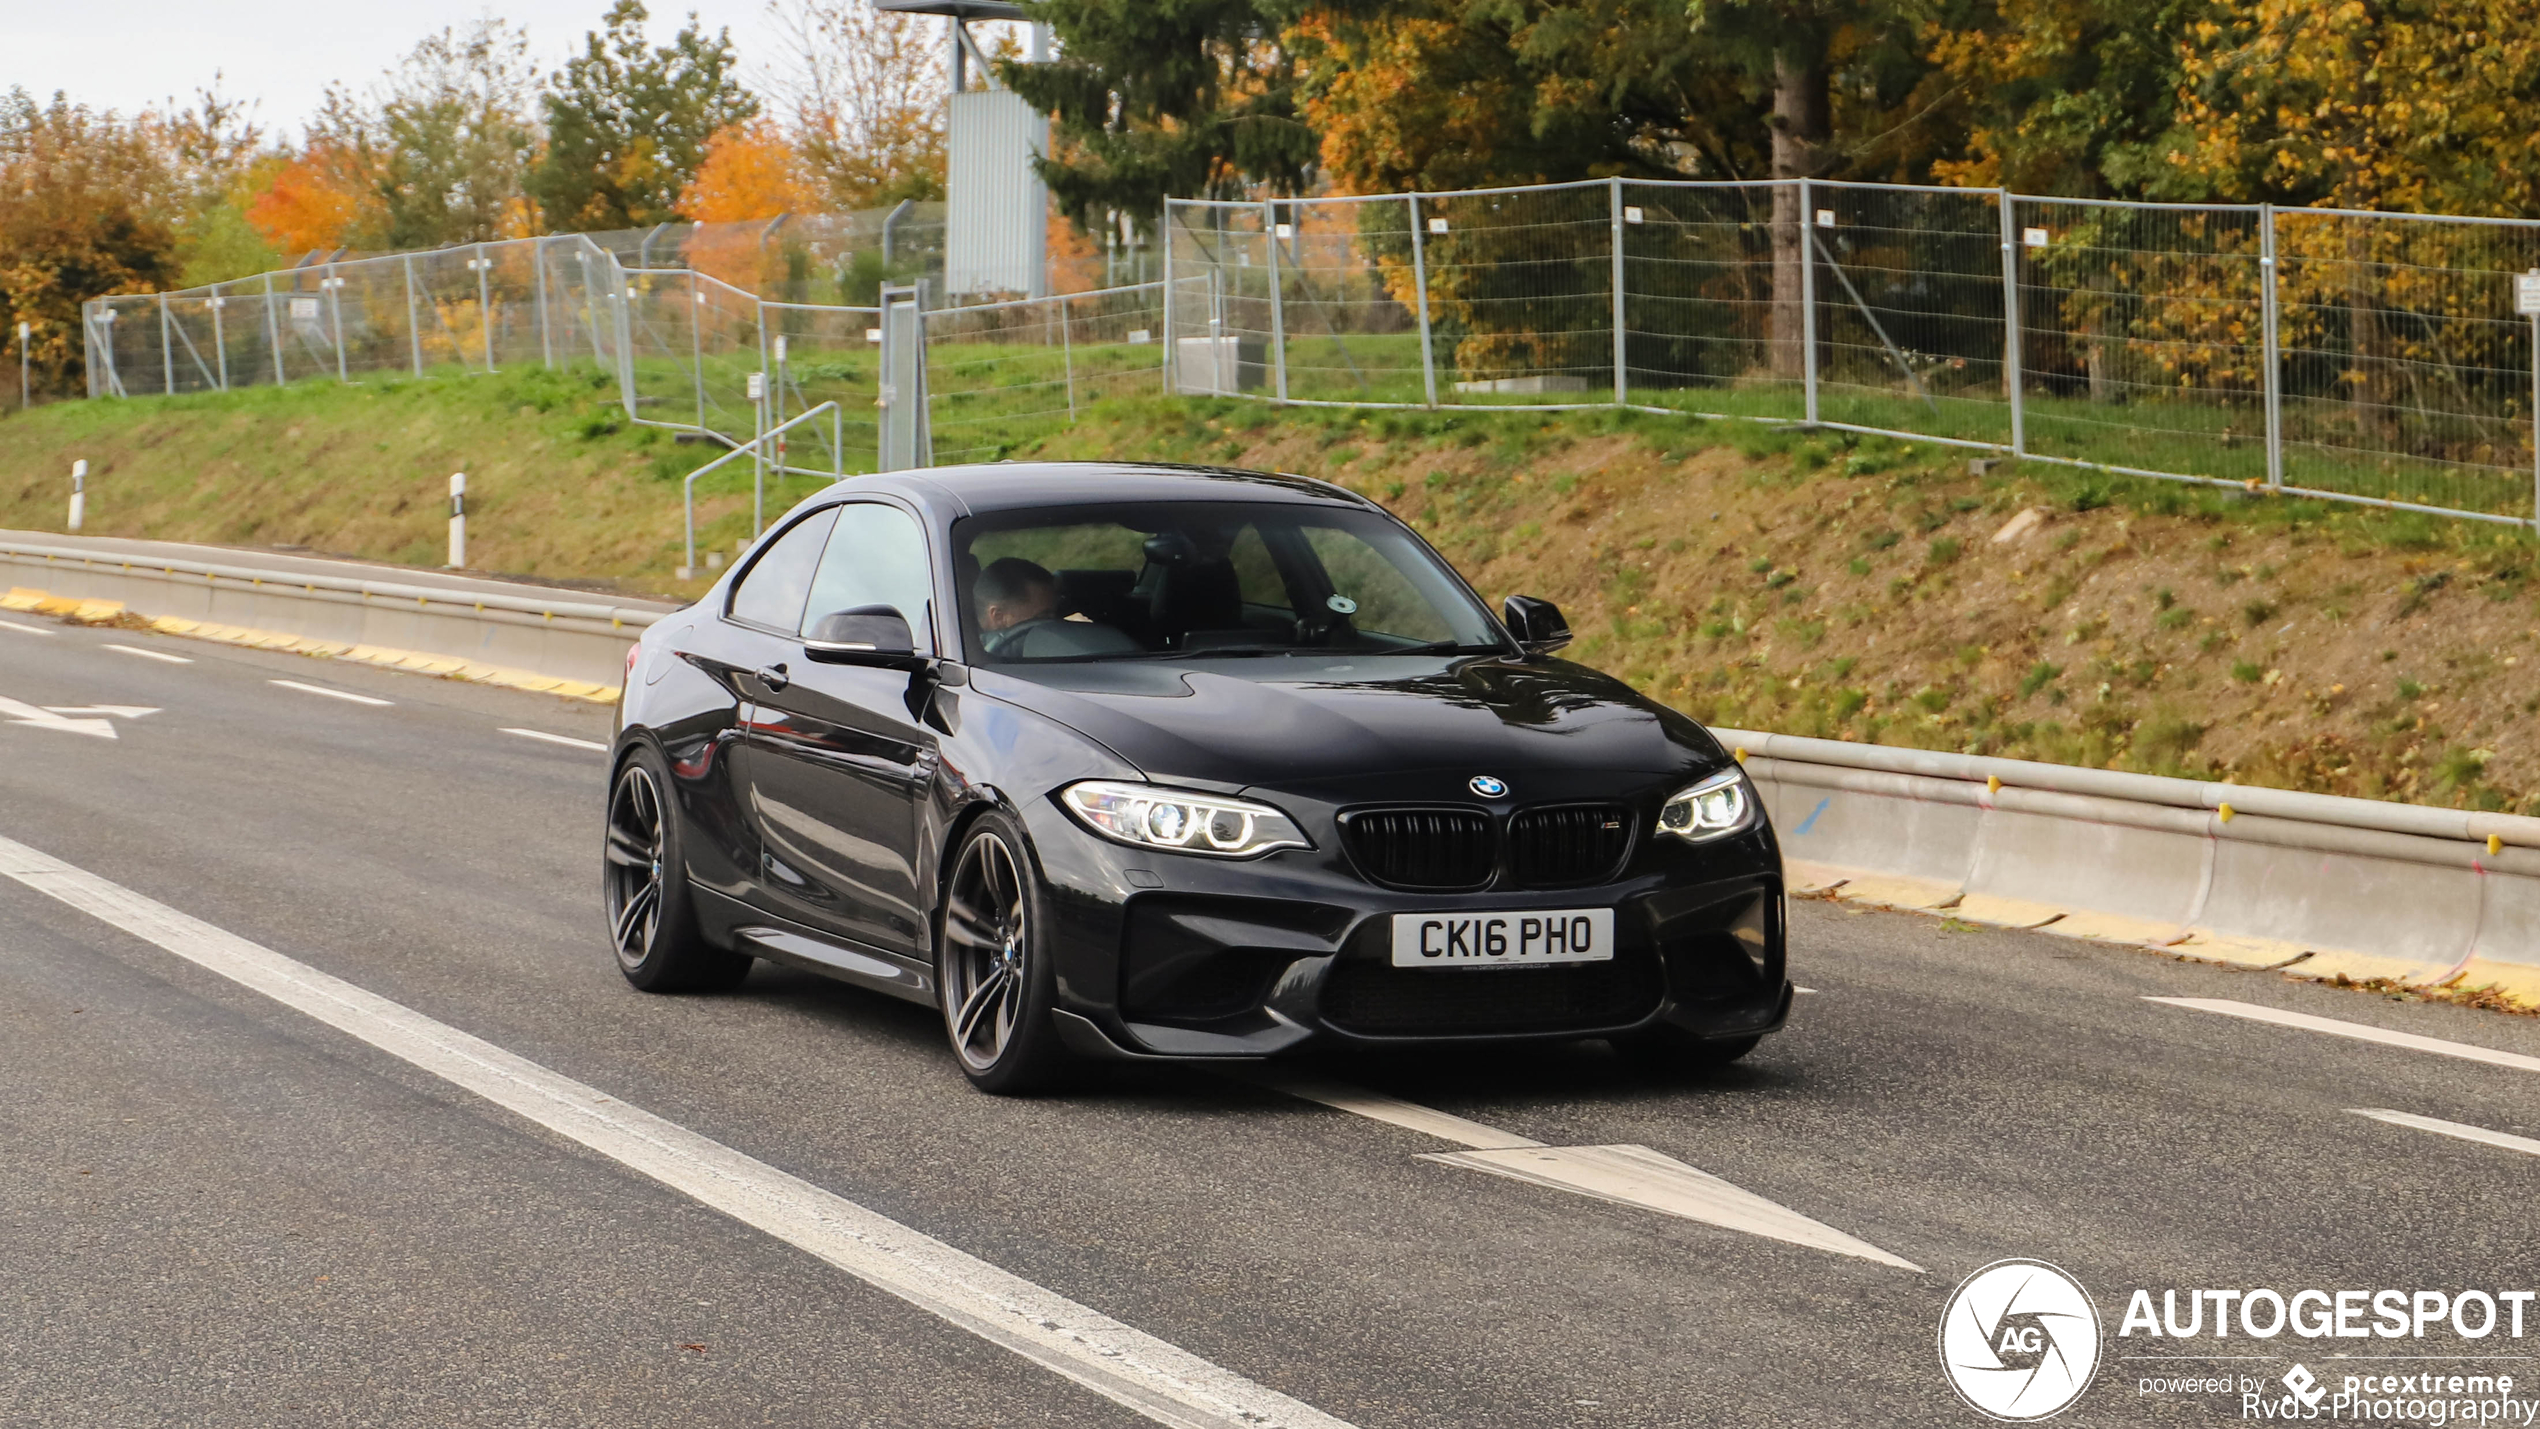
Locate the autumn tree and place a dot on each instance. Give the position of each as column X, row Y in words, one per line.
column 628, row 122
column 84, row 211
column 865, row 91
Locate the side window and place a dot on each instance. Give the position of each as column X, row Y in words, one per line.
column 772, row 590
column 876, row 556
column 1256, row 573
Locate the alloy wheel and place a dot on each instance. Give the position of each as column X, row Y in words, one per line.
column 635, row 849
column 986, row 937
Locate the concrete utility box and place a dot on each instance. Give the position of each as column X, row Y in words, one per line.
column 1226, row 364
column 996, row 223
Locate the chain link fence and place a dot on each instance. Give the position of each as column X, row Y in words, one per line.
column 688, row 348
column 2374, row 358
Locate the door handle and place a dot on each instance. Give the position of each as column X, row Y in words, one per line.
column 774, row 677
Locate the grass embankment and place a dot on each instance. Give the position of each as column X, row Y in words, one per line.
column 560, row 485
column 1761, row 577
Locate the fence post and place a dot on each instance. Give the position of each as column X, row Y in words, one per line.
column 414, row 328
column 218, row 302
column 1278, row 306
column 2271, row 347
column 1420, row 291
column 1172, row 364
column 2534, row 279
column 1808, row 299
column 335, row 312
column 538, row 267
column 484, row 267
column 2011, row 321
column 167, row 350
column 1614, row 192
column 1067, row 356
column 697, row 341
column 273, row 334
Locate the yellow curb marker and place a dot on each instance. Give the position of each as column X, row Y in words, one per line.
column 22, row 598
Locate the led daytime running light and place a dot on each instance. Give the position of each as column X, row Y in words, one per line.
column 1145, row 816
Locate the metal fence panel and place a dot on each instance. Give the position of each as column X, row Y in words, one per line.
column 1698, row 278
column 2142, row 337
column 2407, row 375
column 1909, row 310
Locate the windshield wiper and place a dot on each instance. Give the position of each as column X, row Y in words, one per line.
column 1442, row 647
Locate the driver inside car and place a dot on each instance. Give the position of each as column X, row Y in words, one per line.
column 1019, row 619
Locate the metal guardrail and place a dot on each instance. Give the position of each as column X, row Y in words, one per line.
column 615, row 615
column 2228, row 801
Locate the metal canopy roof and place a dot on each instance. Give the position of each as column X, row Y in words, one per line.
column 958, row 9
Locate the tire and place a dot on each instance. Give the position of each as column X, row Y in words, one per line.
column 993, row 976
column 644, row 888
column 1669, row 1050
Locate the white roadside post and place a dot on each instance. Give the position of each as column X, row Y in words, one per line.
column 79, row 492
column 2527, row 303
column 458, row 520
column 24, row 401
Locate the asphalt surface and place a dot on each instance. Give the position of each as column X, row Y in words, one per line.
column 216, row 1211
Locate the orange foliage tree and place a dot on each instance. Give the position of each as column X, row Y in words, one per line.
column 749, row 177
column 323, row 199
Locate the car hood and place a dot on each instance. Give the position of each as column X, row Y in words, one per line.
column 1291, row 721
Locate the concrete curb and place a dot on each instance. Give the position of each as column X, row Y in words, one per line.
column 2256, row 877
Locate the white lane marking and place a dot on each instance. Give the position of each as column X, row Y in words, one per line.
column 564, row 739
column 2357, row 1030
column 119, row 711
column 1812, row 992
column 16, row 712
column 333, row 694
column 26, row 629
column 1638, row 1176
column 2505, row 1139
column 1627, row 1175
column 1375, row 1106
column 150, row 654
column 1159, row 1380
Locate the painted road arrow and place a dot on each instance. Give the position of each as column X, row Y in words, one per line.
column 26, row 714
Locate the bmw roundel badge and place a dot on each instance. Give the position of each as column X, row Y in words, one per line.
column 1488, row 787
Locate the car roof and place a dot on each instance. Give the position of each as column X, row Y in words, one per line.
column 956, row 491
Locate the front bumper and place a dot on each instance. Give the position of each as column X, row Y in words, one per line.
column 1171, row 955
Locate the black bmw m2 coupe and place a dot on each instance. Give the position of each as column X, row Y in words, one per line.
column 1115, row 761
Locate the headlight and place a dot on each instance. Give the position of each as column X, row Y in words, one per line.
column 1150, row 817
column 1717, row 807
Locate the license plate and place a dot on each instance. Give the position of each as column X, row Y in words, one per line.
column 1503, row 940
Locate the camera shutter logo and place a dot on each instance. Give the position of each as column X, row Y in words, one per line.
column 2019, row 1340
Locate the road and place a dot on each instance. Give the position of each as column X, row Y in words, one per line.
column 215, row 1209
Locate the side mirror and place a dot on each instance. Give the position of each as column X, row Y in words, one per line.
column 1537, row 624
column 866, row 635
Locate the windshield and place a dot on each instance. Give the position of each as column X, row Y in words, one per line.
column 1135, row 581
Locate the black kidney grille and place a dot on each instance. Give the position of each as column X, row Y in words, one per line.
column 1422, row 848
column 1378, row 999
column 1579, row 843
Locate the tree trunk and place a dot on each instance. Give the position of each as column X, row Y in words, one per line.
column 1799, row 124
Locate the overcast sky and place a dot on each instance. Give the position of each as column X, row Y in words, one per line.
column 125, row 54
